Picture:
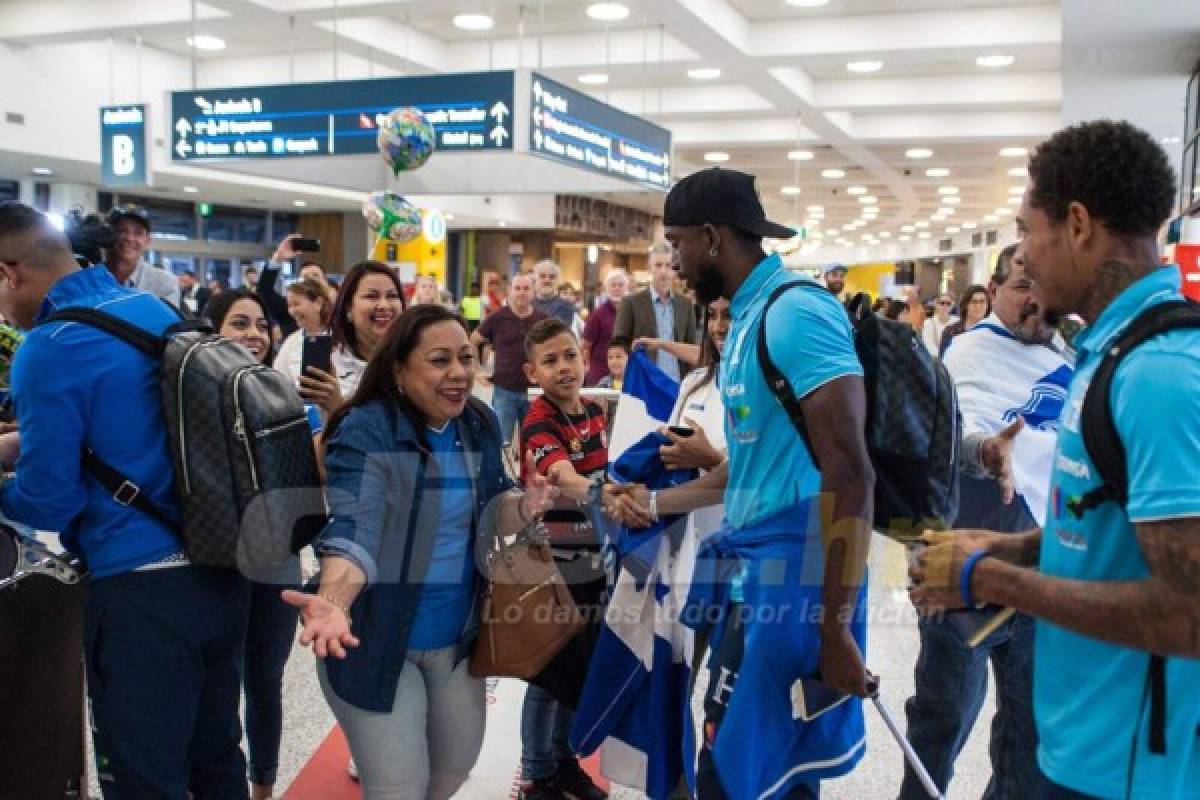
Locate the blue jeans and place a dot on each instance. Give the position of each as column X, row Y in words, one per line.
column 269, row 637
column 545, row 726
column 511, row 407
column 951, row 683
column 164, row 668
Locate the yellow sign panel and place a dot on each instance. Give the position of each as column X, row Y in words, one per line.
column 425, row 255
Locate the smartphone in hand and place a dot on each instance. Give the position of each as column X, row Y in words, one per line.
column 680, row 431
column 307, row 245
column 317, row 352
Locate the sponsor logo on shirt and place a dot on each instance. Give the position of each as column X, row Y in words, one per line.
column 1076, row 469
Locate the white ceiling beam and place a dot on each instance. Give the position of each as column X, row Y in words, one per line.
column 406, row 46
column 952, row 126
column 71, row 20
column 689, row 101
column 1013, row 91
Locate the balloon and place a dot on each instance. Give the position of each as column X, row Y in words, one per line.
column 406, row 139
column 392, row 217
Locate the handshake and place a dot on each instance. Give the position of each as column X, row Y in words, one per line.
column 631, row 504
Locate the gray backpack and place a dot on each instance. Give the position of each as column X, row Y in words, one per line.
column 239, row 438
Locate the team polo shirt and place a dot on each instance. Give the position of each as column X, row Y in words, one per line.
column 1090, row 697
column 810, row 340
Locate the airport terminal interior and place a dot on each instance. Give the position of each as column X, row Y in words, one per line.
column 310, row 177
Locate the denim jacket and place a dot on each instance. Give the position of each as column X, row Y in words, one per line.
column 383, row 521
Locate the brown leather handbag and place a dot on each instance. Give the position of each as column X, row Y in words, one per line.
column 528, row 614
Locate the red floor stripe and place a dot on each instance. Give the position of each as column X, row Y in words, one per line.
column 324, row 776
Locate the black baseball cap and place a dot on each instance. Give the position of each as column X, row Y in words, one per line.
column 718, row 196
column 136, row 213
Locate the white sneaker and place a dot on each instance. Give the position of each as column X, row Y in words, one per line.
column 352, row 769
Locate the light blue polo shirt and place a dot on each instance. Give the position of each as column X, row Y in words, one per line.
column 810, row 340
column 1090, row 697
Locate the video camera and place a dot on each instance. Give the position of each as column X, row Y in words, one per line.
column 89, row 235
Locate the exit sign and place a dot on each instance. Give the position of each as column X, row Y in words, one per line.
column 204, row 209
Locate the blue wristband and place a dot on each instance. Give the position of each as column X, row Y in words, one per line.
column 964, row 577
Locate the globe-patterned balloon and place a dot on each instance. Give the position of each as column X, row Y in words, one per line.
column 406, row 139
column 392, row 217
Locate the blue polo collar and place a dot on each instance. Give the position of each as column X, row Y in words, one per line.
column 1159, row 286
column 748, row 294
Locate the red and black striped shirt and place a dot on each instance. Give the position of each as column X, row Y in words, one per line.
column 553, row 435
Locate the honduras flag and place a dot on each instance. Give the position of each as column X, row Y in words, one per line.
column 634, row 700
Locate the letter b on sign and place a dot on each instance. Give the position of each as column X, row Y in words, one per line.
column 123, row 155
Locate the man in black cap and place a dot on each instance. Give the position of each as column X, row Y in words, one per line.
column 781, row 711
column 125, row 256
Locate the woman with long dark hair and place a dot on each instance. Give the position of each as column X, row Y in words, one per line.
column 414, row 469
column 370, row 299
column 973, row 308
column 241, row 315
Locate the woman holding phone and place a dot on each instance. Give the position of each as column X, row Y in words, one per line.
column 415, row 474
column 241, row 315
column 311, row 308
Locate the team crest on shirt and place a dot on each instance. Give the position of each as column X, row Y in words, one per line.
column 576, row 446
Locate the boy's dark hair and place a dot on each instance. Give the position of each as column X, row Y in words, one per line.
column 543, row 332
column 1117, row 171
column 622, row 342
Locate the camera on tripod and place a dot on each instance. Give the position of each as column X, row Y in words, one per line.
column 89, row 234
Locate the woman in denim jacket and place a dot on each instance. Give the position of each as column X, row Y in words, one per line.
column 414, row 470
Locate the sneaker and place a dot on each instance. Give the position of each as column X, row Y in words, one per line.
column 575, row 783
column 541, row 789
column 352, row 769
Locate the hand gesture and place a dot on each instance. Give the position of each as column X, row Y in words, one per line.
column 628, row 503
column 10, row 446
column 540, row 494
column 842, row 666
column 689, row 452
column 287, row 248
column 318, row 386
column 647, row 343
column 996, row 453
column 325, row 626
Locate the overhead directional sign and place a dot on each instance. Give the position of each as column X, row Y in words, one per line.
column 123, row 160
column 469, row 111
column 569, row 126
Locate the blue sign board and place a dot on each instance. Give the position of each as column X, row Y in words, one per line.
column 123, row 153
column 571, row 127
column 470, row 112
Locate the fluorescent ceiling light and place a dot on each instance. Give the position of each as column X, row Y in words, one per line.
column 991, row 218
column 907, row 228
column 594, row 79
column 905, row 238
column 945, row 211
column 1016, row 190
column 857, row 190
column 868, row 200
column 56, row 219
column 1013, row 152
column 918, row 152
column 800, row 155
column 866, row 237
column 791, row 191
column 203, row 41
column 190, row 189
column 851, row 226
column 473, row 22
column 608, row 12
column 921, row 224
column 812, row 209
column 1018, row 172
column 995, row 61
column 864, row 66
column 1014, row 201
column 951, row 230
column 807, row 3
column 1003, row 211
column 704, row 73
column 716, row 157
column 42, row 171
column 952, row 200
column 969, row 226
column 300, row 203
column 885, row 235
column 947, row 190
column 923, row 235
column 833, row 174
column 937, row 172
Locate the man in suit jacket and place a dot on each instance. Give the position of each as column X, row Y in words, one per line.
column 193, row 296
column 659, row 312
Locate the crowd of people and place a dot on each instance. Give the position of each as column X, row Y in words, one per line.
column 1086, row 606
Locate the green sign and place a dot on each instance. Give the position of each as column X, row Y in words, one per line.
column 205, row 209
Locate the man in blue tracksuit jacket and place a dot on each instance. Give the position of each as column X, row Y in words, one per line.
column 163, row 639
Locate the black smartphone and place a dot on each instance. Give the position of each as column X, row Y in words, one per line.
column 307, row 245
column 678, row 431
column 317, row 352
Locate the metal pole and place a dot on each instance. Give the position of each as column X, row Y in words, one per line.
column 193, row 54
column 292, row 48
column 335, row 39
column 910, row 755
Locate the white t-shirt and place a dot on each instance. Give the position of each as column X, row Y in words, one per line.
column 349, row 369
column 931, row 334
column 702, row 404
column 288, row 359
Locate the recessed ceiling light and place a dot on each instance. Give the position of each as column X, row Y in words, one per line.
column 951, row 230
column 1018, row 172
column 203, row 41
column 918, row 152
column 833, row 174
column 921, row 224
column 448, row 217
column 594, row 79
column 923, row 235
column 849, row 227
column 870, row 211
column 953, row 200
column 969, row 226
column 807, row 3
column 947, row 190
column 937, row 172
column 300, row 203
column 905, row 238
column 608, row 12
column 473, row 22
column 1014, row 201
column 864, row 66
column 716, row 157
column 791, row 191
column 704, row 73
column 1016, row 190
column 812, row 209
column 42, row 171
column 503, row 224
column 995, row 61
column 907, row 228
column 800, row 155
column 190, row 189
column 857, row 190
column 1013, row 152
column 866, row 237
column 991, row 218
column 1170, row 140
column 945, row 211
column 1003, row 211
column 885, row 235
column 868, row 200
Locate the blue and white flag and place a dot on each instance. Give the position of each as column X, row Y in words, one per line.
column 633, row 705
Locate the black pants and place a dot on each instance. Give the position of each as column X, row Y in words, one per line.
column 164, row 658
column 269, row 637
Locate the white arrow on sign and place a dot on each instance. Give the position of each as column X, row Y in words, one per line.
column 499, row 111
column 537, row 116
column 537, row 138
column 183, row 148
column 183, row 127
column 498, row 135
column 537, row 90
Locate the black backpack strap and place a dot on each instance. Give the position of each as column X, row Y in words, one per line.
column 1099, row 429
column 124, row 491
column 133, row 335
column 777, row 382
column 1158, row 704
